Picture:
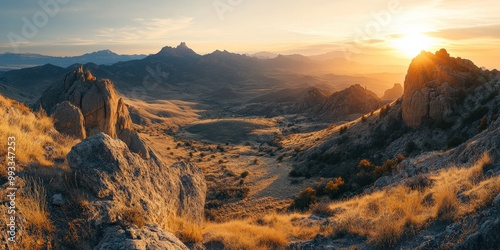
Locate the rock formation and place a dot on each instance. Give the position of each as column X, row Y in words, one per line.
column 119, row 180
column 433, row 84
column 393, row 93
column 120, row 185
column 97, row 101
column 69, row 120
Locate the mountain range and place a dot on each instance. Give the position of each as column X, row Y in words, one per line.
column 179, row 72
column 9, row 61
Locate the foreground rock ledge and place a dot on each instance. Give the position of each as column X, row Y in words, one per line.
column 119, row 180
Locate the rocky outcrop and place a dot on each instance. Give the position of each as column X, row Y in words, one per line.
column 120, row 180
column 98, row 103
column 68, row 119
column 393, row 93
column 433, row 85
column 132, row 237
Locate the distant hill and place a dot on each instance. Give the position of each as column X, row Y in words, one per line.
column 9, row 61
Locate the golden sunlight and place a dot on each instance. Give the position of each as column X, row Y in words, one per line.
column 412, row 44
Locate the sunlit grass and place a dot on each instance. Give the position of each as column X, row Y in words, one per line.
column 36, row 139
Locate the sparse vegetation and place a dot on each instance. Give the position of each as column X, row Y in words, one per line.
column 35, row 135
column 305, row 199
column 244, row 174
column 38, row 229
column 343, row 129
column 271, row 231
column 407, row 210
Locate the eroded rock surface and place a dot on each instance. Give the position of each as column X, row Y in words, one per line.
column 96, row 99
column 433, row 86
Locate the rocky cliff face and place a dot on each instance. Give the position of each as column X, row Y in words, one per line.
column 433, row 85
column 81, row 95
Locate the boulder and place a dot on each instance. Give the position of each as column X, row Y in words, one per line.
column 132, row 237
column 119, row 180
column 68, row 119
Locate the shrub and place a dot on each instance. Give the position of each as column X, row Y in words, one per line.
column 385, row 110
column 342, row 130
column 483, row 124
column 365, row 165
column 134, row 216
column 363, row 119
column 244, row 174
column 332, row 188
column 400, row 158
column 305, row 199
column 280, row 158
column 295, row 174
column 410, row 147
column 455, row 141
column 322, row 210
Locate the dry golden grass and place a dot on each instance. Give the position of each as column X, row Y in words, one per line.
column 37, row 230
column 272, row 231
column 36, row 139
column 385, row 216
column 186, row 231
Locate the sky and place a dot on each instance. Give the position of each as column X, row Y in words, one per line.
column 389, row 31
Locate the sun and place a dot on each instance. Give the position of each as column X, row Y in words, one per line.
column 412, row 44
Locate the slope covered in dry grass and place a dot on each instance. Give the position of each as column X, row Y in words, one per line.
column 382, row 217
column 36, row 139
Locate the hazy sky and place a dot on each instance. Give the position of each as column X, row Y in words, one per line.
column 373, row 29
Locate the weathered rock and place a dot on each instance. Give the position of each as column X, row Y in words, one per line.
column 68, row 119
column 485, row 238
column 132, row 237
column 83, row 95
column 58, row 199
column 120, row 180
column 433, row 84
column 496, row 201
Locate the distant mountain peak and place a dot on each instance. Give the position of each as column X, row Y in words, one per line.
column 105, row 52
column 182, row 45
column 182, row 50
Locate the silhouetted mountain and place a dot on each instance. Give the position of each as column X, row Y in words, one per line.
column 263, row 55
column 10, row 61
column 393, row 93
